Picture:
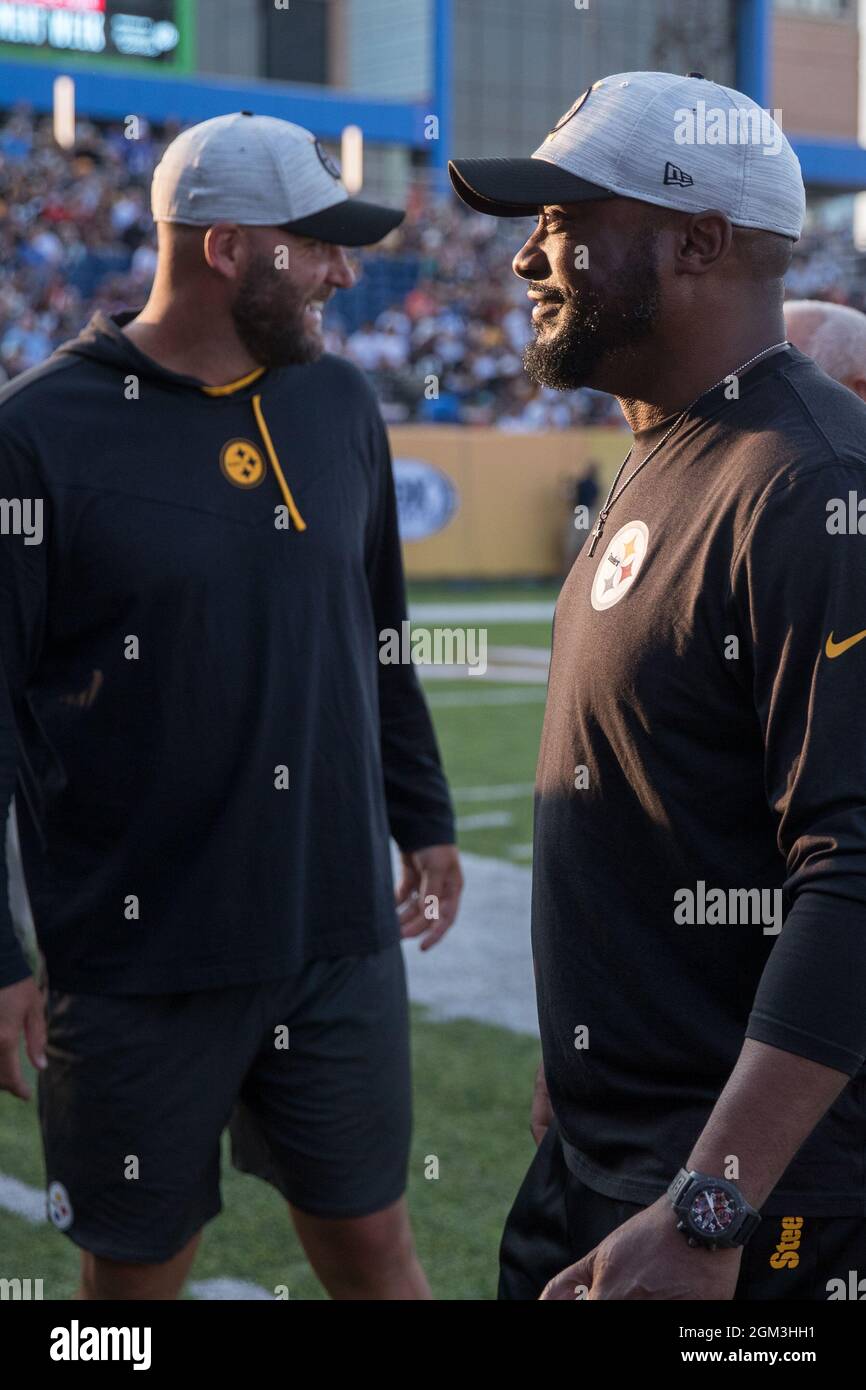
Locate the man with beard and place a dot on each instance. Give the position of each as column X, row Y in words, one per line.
column 701, row 1108
column 209, row 753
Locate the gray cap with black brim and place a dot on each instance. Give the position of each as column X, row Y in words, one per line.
column 679, row 142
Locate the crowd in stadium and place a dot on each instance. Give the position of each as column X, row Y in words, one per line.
column 76, row 235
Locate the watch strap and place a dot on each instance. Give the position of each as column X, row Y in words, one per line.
column 680, row 1182
column 751, row 1222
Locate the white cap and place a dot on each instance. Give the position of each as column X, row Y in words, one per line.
column 679, row 142
column 263, row 172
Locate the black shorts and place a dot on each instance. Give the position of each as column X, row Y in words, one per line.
column 556, row 1220
column 139, row 1089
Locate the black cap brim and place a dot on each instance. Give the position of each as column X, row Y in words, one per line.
column 516, row 187
column 350, row 223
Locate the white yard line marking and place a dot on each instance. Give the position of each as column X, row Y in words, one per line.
column 508, row 791
column 505, row 675
column 485, row 820
column 21, row 1200
column 236, row 1290
column 456, row 699
column 442, row 613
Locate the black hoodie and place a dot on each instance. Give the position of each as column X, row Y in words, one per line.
column 209, row 753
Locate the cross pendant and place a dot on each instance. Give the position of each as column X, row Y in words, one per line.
column 596, row 534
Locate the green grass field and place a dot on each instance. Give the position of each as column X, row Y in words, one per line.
column 477, row 590
column 472, row 1081
column 488, row 744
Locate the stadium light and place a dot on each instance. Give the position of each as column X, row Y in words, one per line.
column 64, row 112
column 352, row 157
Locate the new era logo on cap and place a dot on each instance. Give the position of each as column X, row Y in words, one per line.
column 624, row 137
column 679, row 176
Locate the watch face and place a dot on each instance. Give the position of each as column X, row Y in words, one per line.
column 713, row 1211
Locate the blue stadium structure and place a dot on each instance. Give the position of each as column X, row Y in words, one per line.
column 828, row 165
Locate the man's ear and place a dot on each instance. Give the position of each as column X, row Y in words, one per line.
column 702, row 241
column 225, row 249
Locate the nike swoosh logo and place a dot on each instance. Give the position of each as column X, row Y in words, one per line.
column 837, row 648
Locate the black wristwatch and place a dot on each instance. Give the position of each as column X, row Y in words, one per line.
column 712, row 1212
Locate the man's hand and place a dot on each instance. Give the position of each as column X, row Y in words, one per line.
column 541, row 1112
column 429, row 892
column 22, row 1010
column 647, row 1258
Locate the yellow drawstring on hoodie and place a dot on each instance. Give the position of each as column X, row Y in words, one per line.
column 300, row 524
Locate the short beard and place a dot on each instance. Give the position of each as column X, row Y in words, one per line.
column 595, row 326
column 268, row 315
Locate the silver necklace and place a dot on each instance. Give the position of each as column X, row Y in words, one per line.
column 614, row 496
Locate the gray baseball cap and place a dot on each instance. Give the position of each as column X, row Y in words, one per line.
column 679, row 142
column 260, row 171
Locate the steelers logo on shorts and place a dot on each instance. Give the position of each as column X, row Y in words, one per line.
column 620, row 565
column 59, row 1207
column 242, row 463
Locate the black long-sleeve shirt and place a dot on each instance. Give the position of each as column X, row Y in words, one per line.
column 704, row 737
column 209, row 753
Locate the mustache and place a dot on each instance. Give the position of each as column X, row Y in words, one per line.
column 545, row 292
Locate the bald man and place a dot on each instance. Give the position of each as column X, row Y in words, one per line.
column 834, row 335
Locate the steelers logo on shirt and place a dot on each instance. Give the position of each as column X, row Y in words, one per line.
column 242, row 463
column 620, row 565
column 59, row 1207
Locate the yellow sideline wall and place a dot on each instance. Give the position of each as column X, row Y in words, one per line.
column 511, row 508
